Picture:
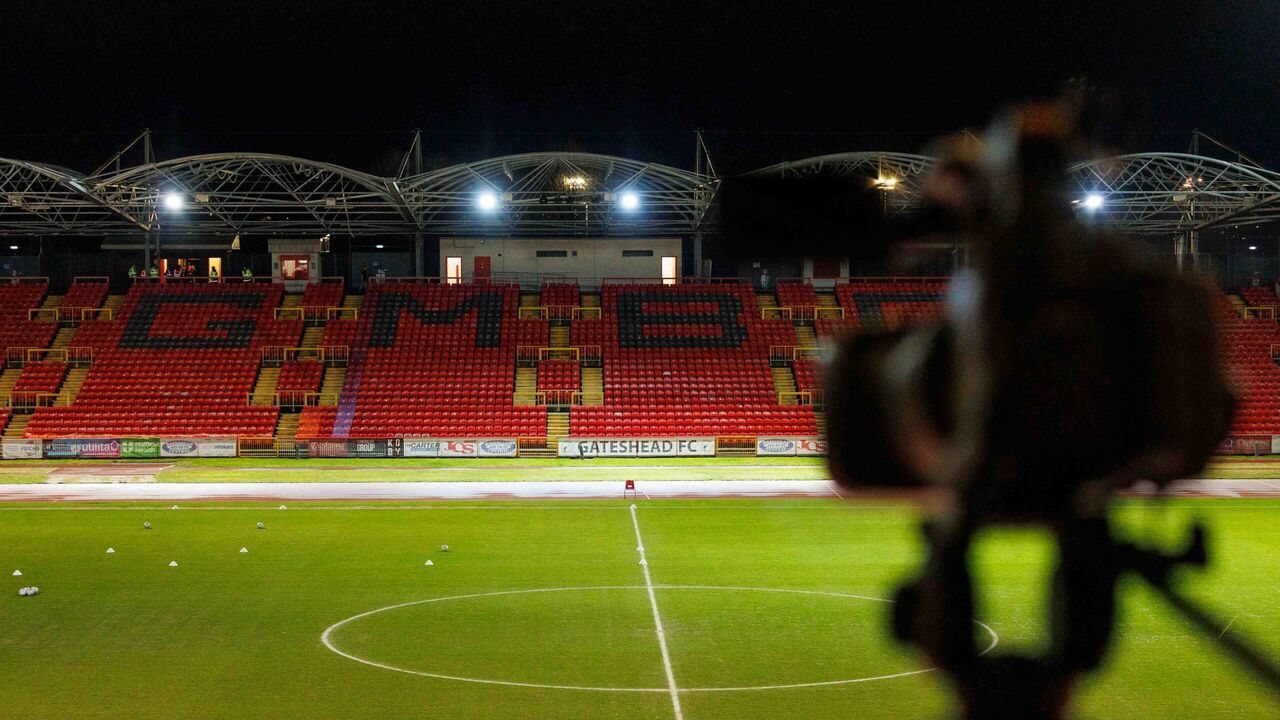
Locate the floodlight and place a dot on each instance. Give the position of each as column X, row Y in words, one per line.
column 378, row 246
column 575, row 182
column 173, row 201
column 487, row 201
column 1253, row 247
column 1092, row 201
column 13, row 247
column 886, row 183
column 629, row 200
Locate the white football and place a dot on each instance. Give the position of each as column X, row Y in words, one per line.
column 444, row 548
column 23, row 591
column 261, row 526
column 34, row 591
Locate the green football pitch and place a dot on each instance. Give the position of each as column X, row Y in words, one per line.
column 769, row 609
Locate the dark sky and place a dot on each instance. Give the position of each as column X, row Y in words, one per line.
column 767, row 80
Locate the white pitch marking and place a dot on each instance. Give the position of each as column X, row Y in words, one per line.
column 657, row 621
column 1228, row 626
column 834, row 491
column 326, row 638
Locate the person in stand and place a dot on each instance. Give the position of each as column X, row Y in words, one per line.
column 364, row 275
column 133, row 273
column 246, row 275
column 155, row 271
column 191, row 270
column 213, row 273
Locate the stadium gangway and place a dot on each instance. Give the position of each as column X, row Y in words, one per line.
column 312, row 314
column 292, row 399
column 1264, row 312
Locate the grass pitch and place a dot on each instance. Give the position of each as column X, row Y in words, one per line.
column 238, row 635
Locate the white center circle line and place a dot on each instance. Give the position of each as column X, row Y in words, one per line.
column 326, row 638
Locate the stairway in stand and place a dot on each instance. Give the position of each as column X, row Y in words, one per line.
column 557, row 424
column 16, row 427
column 8, row 378
column 312, row 336
column 784, row 384
column 805, row 336
column 827, row 300
column 526, row 391
column 559, row 336
column 113, row 304
column 530, row 300
column 820, row 418
column 292, row 301
column 590, row 300
column 593, row 386
column 71, row 386
column 264, row 390
column 63, row 339
column 287, row 427
column 331, row 385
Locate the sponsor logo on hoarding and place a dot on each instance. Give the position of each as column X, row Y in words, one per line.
column 21, row 449
column 775, row 445
column 637, row 447
column 460, row 446
column 178, row 447
column 811, row 446
column 498, row 447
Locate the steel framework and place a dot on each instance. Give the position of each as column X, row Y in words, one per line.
column 1142, row 194
column 556, row 193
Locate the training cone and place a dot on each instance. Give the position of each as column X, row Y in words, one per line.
column 428, row 563
column 283, row 507
column 639, row 548
column 643, row 561
column 173, row 563
column 111, row 551
column 244, row 550
column 17, row 573
column 175, row 507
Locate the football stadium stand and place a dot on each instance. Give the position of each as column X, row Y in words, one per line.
column 687, row 360
column 430, row 359
column 179, row 360
column 433, row 360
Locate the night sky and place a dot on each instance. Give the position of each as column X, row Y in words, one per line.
column 767, row 80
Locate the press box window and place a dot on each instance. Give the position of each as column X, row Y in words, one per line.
column 637, row 253
column 553, row 253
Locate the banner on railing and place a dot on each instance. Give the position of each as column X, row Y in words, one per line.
column 216, row 448
column 811, row 446
column 392, row 448
column 775, row 446
column 636, row 447
column 496, row 448
column 459, row 448
column 106, row 448
column 178, row 448
column 22, row 449
column 140, row 447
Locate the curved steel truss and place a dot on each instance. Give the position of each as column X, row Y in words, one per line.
column 560, row 193
column 1170, row 193
column 1142, row 194
column 241, row 193
column 556, row 193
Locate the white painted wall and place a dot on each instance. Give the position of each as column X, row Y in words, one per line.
column 588, row 259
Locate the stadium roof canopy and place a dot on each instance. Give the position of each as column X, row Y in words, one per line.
column 247, row 193
column 1141, row 194
column 553, row 193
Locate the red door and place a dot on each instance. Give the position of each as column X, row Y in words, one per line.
column 482, row 268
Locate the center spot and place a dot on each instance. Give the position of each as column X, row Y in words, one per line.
column 602, row 638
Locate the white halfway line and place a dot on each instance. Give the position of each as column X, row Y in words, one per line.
column 657, row 620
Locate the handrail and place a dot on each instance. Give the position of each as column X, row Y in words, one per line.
column 338, row 313
column 891, row 279
column 558, row 397
column 791, row 353
column 21, row 280
column 35, row 314
column 586, row 312
column 332, row 279
column 90, row 279
column 1264, row 312
column 676, row 281
column 775, row 313
column 96, row 313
